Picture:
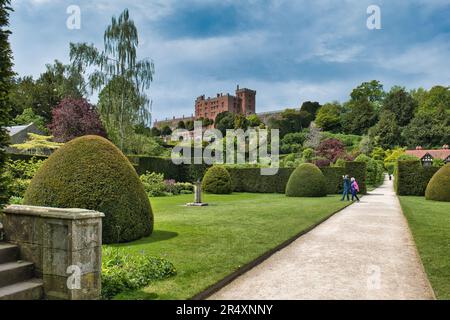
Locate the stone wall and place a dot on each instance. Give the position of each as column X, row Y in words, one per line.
column 63, row 244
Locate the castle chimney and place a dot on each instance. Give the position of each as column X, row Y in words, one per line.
column 237, row 88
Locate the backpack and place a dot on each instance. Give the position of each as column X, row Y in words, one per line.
column 355, row 185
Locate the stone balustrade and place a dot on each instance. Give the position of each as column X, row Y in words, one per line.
column 64, row 245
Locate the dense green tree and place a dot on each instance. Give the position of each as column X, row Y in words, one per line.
column 378, row 153
column 166, row 131
column 6, row 75
column 155, row 132
column 254, row 121
column 292, row 120
column 181, row 125
column 311, row 107
column 28, row 116
column 438, row 97
column 21, row 95
column 371, row 91
column 401, row 104
column 419, row 95
column 59, row 81
column 359, row 117
column 293, row 142
column 241, row 122
column 329, row 117
column 225, row 120
column 142, row 129
column 128, row 103
column 190, row 125
column 429, row 129
column 387, row 131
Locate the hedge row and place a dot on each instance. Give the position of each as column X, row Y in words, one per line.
column 411, row 178
column 244, row 179
column 251, row 180
column 180, row 173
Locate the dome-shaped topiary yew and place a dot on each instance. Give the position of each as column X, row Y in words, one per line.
column 91, row 173
column 306, row 181
column 217, row 180
column 439, row 186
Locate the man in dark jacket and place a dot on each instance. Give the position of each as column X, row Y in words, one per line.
column 346, row 188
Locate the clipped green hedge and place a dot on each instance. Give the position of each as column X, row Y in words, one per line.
column 248, row 179
column 251, row 180
column 358, row 171
column 333, row 176
column 217, row 180
column 411, row 178
column 374, row 170
column 438, row 188
column 91, row 173
column 306, row 181
column 180, row 173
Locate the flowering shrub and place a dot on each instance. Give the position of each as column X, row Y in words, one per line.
column 156, row 186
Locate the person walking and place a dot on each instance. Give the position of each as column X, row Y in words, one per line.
column 354, row 189
column 346, row 188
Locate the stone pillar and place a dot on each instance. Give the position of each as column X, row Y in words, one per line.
column 198, row 192
column 64, row 245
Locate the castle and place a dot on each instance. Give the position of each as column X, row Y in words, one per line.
column 244, row 102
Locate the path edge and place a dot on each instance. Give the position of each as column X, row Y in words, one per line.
column 416, row 250
column 209, row 291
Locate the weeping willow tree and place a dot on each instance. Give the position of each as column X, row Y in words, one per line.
column 120, row 78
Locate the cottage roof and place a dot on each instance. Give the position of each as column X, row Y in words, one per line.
column 13, row 130
column 436, row 154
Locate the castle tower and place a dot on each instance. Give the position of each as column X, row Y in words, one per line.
column 247, row 100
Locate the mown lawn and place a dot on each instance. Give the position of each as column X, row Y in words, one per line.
column 430, row 224
column 206, row 244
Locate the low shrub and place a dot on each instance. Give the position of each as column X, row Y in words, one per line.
column 15, row 200
column 306, row 181
column 438, row 188
column 156, row 186
column 153, row 184
column 175, row 188
column 217, row 180
column 19, row 173
column 122, row 271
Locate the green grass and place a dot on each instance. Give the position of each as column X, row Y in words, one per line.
column 206, row 244
column 430, row 224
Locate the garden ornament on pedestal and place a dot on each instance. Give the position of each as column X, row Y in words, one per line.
column 198, row 196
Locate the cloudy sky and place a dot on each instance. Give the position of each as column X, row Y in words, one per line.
column 288, row 51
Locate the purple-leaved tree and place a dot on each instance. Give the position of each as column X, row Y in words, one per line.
column 73, row 118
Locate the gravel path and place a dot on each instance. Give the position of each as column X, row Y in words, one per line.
column 364, row 252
